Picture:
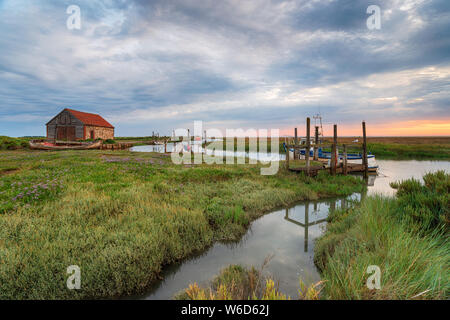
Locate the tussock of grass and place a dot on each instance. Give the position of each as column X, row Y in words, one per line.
column 411, row 250
column 240, row 283
column 122, row 221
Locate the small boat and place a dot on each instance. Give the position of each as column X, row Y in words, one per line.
column 63, row 145
column 352, row 158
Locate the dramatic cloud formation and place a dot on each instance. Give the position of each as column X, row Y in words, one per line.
column 157, row 65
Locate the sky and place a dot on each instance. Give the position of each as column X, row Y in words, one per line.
column 264, row 64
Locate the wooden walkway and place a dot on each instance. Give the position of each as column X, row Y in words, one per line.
column 335, row 166
column 313, row 170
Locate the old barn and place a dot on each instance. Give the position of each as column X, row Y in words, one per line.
column 76, row 125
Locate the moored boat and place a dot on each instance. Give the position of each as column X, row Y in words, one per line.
column 352, row 158
column 63, row 145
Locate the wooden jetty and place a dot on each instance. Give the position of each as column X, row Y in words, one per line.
column 116, row 146
column 335, row 166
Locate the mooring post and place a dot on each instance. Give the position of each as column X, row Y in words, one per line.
column 366, row 165
column 204, row 143
column 344, row 169
column 295, row 143
column 308, row 144
column 287, row 157
column 334, row 151
column 316, row 143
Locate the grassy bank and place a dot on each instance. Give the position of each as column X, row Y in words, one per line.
column 407, row 237
column 8, row 143
column 122, row 216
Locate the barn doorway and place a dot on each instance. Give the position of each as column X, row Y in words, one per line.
column 66, row 133
column 92, row 135
column 61, row 134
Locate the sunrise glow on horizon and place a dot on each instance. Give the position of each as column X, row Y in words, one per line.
column 413, row 128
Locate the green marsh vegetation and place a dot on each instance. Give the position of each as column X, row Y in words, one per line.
column 122, row 216
column 8, row 143
column 413, row 151
column 406, row 236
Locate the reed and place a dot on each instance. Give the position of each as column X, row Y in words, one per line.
column 406, row 237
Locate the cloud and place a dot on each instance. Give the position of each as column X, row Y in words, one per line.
column 156, row 65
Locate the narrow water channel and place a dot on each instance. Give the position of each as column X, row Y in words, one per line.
column 288, row 235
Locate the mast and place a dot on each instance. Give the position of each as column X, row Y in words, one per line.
column 316, row 117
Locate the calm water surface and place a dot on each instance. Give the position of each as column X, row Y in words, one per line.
column 288, row 235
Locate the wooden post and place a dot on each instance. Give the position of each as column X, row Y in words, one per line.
column 295, row 143
column 365, row 162
column 333, row 151
column 344, row 169
column 308, row 144
column 204, row 144
column 165, row 146
column 287, row 157
column 316, row 142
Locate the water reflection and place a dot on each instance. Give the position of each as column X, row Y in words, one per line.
column 395, row 170
column 306, row 223
column 287, row 234
column 196, row 147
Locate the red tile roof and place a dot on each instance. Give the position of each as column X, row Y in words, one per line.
column 90, row 119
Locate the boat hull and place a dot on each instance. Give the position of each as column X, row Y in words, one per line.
column 41, row 145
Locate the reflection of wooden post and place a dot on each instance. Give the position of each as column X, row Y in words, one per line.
column 306, row 225
column 334, row 151
column 363, row 194
column 316, row 142
column 365, row 162
column 295, row 143
column 308, row 144
column 332, row 205
column 344, row 169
